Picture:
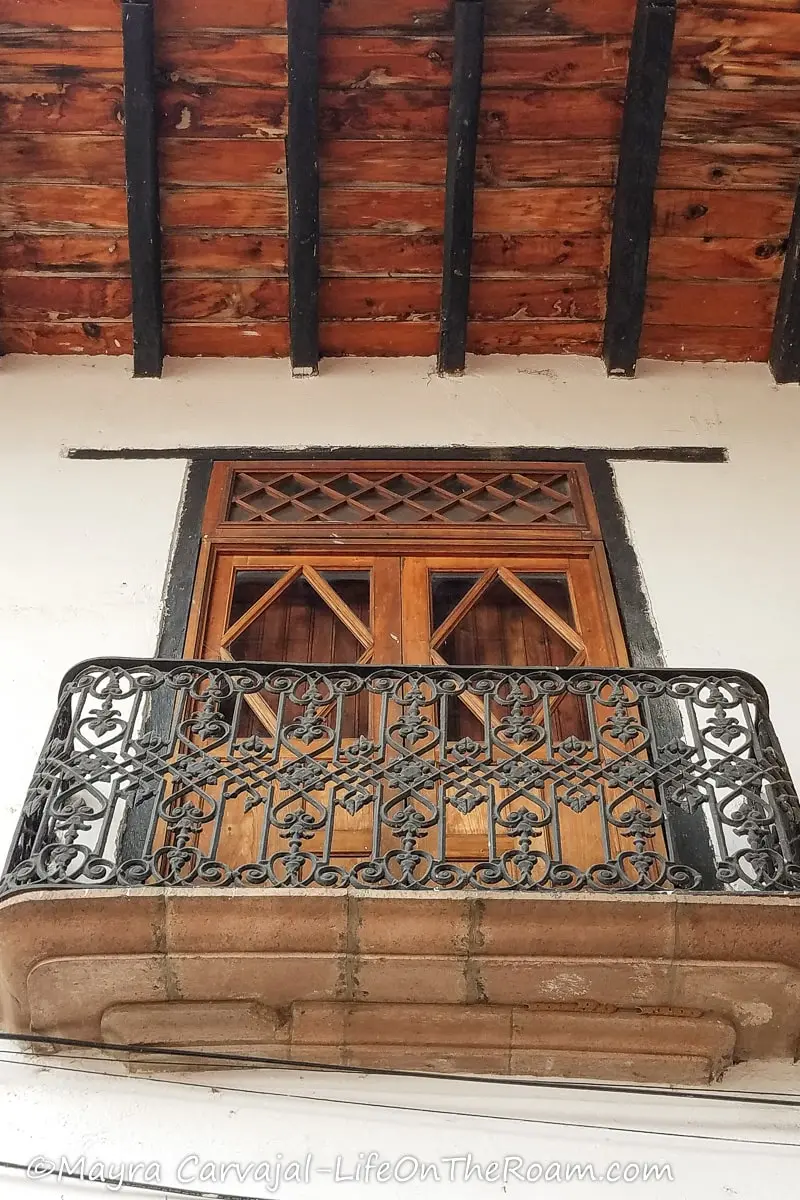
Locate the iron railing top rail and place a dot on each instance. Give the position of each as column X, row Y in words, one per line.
column 369, row 669
column 409, row 777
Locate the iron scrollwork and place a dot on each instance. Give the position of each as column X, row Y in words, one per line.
column 364, row 777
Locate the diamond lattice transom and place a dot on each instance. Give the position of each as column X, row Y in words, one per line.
column 403, row 497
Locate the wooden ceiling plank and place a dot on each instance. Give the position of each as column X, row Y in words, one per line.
column 716, row 258
column 66, row 337
column 462, row 147
column 640, row 146
column 247, row 339
column 687, row 343
column 746, row 304
column 784, row 352
column 79, row 158
column 302, row 159
column 141, row 165
column 96, row 251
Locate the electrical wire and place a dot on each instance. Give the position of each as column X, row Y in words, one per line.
column 432, row 1112
column 135, row 1185
column 252, row 1060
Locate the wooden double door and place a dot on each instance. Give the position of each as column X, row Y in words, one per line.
column 546, row 609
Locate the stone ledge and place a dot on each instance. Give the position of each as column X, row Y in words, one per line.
column 663, row 988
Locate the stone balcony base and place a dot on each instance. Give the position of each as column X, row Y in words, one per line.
column 660, row 989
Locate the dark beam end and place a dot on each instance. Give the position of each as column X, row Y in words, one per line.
column 462, row 147
column 784, row 355
column 302, row 169
column 637, row 170
column 141, row 167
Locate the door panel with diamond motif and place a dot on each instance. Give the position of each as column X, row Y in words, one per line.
column 300, row 609
column 512, row 612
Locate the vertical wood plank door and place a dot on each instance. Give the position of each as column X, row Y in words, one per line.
column 448, row 564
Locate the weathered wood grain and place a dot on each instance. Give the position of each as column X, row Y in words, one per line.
column 223, row 208
column 260, row 162
column 498, row 165
column 542, row 210
column 596, row 112
column 508, row 255
column 62, row 206
column 537, row 299
column 387, row 162
column 741, row 304
column 553, row 78
column 58, row 298
column 378, row 339
column 421, row 210
column 742, row 7
column 534, row 337
column 502, row 16
column 412, row 16
column 756, row 115
column 700, row 344
column 498, row 255
column 225, row 300
column 519, row 163
column 510, row 62
column 212, row 110
column 66, row 337
column 716, row 258
column 65, row 56
column 61, row 14
column 382, row 299
column 77, row 157
column 494, row 255
column 74, row 253
column 735, row 62
column 262, row 339
column 729, row 165
column 217, row 110
column 97, row 159
column 703, row 213
column 718, row 19
column 258, row 59
column 91, row 158
column 382, row 210
column 270, row 338
column 227, row 253
column 171, row 14
column 60, row 108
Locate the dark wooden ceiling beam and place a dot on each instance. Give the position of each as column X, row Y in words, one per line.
column 462, row 145
column 302, row 166
column 141, row 168
column 637, row 169
column 784, row 354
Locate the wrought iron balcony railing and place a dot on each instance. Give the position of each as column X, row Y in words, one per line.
column 199, row 773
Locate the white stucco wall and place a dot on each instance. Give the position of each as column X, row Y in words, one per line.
column 85, row 546
column 437, row 1140
column 86, row 543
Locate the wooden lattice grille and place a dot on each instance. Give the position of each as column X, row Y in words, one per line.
column 394, row 496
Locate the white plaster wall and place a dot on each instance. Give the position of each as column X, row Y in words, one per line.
column 85, row 544
column 714, row 1149
column 85, row 547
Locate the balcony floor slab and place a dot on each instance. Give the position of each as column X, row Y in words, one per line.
column 669, row 988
